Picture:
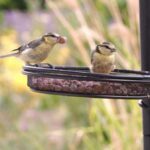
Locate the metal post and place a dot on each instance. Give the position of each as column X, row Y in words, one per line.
column 145, row 58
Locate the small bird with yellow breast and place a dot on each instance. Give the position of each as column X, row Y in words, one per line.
column 103, row 58
column 37, row 50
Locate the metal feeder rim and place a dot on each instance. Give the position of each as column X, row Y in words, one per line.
column 86, row 69
column 39, row 80
column 82, row 73
column 85, row 78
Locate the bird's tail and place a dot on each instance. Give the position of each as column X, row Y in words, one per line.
column 9, row 55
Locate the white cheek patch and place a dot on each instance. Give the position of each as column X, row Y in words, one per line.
column 105, row 51
column 108, row 51
column 54, row 39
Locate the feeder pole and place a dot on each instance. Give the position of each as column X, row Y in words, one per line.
column 145, row 58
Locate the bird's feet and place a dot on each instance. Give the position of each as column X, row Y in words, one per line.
column 44, row 65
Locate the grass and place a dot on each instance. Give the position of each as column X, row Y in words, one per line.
column 34, row 121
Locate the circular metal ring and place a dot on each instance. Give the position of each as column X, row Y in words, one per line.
column 79, row 81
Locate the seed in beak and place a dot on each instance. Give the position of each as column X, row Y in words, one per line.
column 62, row 40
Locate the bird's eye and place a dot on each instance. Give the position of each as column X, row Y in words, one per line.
column 107, row 46
column 53, row 36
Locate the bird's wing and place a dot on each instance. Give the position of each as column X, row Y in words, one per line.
column 32, row 45
column 35, row 43
column 21, row 48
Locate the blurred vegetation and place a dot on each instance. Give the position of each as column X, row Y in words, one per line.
column 29, row 120
column 21, row 4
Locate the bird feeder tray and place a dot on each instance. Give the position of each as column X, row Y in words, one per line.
column 79, row 81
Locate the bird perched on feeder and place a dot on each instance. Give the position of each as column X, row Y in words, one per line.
column 37, row 50
column 103, row 58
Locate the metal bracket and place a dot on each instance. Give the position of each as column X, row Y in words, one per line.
column 143, row 105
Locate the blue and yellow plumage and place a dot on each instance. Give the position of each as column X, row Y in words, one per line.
column 103, row 58
column 37, row 50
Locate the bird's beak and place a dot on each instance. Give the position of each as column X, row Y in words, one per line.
column 113, row 50
column 62, row 39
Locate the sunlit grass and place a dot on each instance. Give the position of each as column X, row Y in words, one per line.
column 82, row 123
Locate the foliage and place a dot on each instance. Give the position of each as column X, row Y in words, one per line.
column 21, row 4
column 30, row 120
column 17, row 4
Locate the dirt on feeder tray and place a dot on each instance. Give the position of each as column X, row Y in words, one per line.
column 87, row 87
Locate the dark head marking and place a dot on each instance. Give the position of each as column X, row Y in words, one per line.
column 109, row 46
column 52, row 35
column 98, row 49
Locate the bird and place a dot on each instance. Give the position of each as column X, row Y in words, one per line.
column 37, row 50
column 103, row 58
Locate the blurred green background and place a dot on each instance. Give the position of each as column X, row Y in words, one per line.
column 29, row 120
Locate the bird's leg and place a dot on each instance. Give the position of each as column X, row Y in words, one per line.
column 27, row 64
column 34, row 65
column 45, row 65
